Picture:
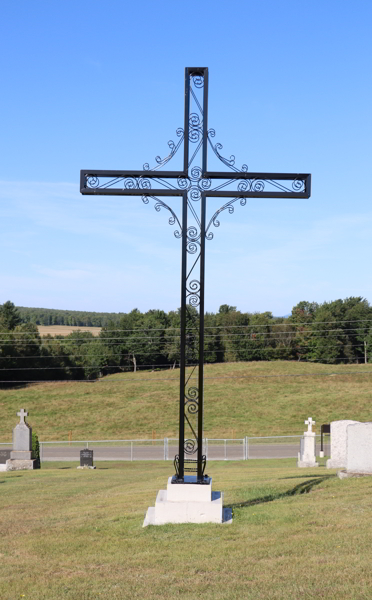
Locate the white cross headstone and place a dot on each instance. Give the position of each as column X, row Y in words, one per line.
column 22, row 414
column 309, row 422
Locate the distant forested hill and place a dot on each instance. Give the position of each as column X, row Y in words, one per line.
column 331, row 333
column 52, row 316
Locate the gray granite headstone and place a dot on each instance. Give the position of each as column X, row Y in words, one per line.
column 22, row 438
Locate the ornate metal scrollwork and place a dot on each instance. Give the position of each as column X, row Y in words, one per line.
column 191, row 466
column 193, row 293
column 92, row 182
column 190, row 446
column 191, row 400
column 198, row 81
column 298, row 185
column 173, row 150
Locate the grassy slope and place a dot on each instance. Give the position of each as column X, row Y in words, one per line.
column 73, row 535
column 129, row 405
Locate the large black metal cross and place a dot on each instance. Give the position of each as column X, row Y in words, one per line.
column 194, row 184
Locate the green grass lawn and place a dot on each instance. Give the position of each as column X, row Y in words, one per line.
column 255, row 398
column 77, row 535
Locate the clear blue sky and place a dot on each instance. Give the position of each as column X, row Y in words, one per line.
column 89, row 84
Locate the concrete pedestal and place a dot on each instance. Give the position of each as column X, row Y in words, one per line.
column 187, row 503
column 14, row 464
column 306, row 458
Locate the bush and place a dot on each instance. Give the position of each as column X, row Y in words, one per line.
column 36, row 450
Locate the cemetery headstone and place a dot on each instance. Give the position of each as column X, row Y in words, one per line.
column 306, row 456
column 21, row 455
column 86, row 459
column 4, row 456
column 338, row 444
column 358, row 450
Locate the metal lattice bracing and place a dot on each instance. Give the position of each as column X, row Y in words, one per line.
column 195, row 185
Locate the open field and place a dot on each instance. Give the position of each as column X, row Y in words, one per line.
column 78, row 535
column 256, row 398
column 65, row 329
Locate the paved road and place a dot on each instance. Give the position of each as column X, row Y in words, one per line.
column 156, row 452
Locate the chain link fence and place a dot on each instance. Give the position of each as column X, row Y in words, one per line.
column 281, row 446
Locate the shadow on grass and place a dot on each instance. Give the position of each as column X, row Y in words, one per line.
column 304, row 476
column 10, row 478
column 302, row 488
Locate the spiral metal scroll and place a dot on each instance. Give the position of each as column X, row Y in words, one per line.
column 173, row 219
column 173, row 150
column 193, row 293
column 191, row 400
column 198, row 81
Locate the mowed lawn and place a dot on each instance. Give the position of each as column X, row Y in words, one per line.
column 253, row 399
column 77, row 535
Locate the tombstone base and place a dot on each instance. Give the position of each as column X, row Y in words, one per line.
column 306, row 464
column 345, row 474
column 86, row 467
column 21, row 455
column 14, row 464
column 187, row 503
column 334, row 464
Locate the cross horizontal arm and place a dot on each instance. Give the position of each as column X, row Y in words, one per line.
column 251, row 175
column 143, row 173
column 140, row 176
column 254, row 184
column 253, row 194
column 129, row 192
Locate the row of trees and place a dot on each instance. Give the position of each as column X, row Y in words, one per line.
column 332, row 332
column 51, row 316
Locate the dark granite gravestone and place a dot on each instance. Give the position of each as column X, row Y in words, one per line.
column 4, row 456
column 86, row 458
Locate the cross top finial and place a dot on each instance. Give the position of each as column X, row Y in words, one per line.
column 22, row 414
column 309, row 422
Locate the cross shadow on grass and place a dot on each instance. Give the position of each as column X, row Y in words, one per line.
column 302, row 488
column 304, row 476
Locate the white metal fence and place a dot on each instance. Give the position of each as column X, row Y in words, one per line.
column 245, row 448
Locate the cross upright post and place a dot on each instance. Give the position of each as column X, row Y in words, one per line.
column 194, row 184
